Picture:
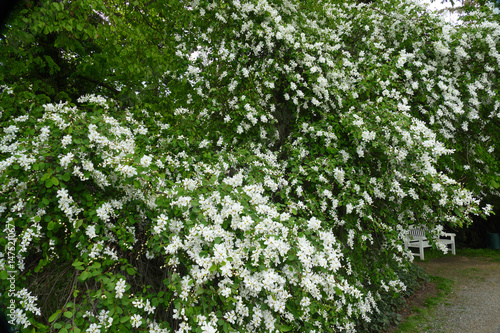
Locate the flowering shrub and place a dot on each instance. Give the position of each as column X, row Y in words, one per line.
column 273, row 191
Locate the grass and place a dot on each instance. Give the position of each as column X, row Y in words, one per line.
column 493, row 255
column 420, row 322
column 488, row 254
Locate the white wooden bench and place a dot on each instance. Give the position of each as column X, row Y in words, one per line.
column 416, row 238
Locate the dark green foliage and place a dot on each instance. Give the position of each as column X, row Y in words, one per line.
column 390, row 304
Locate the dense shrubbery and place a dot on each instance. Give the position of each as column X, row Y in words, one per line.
column 267, row 187
column 391, row 304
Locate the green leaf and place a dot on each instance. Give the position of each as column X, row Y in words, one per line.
column 54, row 316
column 131, row 271
column 77, row 263
column 68, row 314
column 58, row 6
column 51, row 225
column 55, row 181
column 48, row 183
column 78, row 266
column 96, row 265
column 84, row 276
column 124, row 319
column 46, row 176
column 331, row 150
column 285, row 328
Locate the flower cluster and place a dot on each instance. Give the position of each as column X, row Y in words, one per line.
column 275, row 193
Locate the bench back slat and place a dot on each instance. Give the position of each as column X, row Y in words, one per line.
column 417, row 232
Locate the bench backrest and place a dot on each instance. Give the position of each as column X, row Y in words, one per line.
column 417, row 232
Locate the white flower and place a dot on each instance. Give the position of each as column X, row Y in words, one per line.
column 148, row 307
column 299, row 190
column 28, row 302
column 269, row 84
column 8, row 89
column 120, row 288
column 66, row 204
column 94, row 328
column 182, row 201
column 104, row 211
column 44, row 135
column 138, row 303
column 350, row 238
column 66, row 160
column 487, row 209
column 230, row 317
column 339, row 175
column 20, row 318
column 368, row 136
column 136, row 320
column 12, row 129
column 66, row 140
column 91, row 231
column 441, row 48
column 93, row 99
column 162, row 221
column 314, row 224
column 207, row 328
column 126, row 170
column 146, row 161
column 204, row 144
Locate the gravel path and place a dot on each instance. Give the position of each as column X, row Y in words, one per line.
column 473, row 306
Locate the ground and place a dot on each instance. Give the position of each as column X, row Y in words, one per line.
column 417, row 301
column 472, row 303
